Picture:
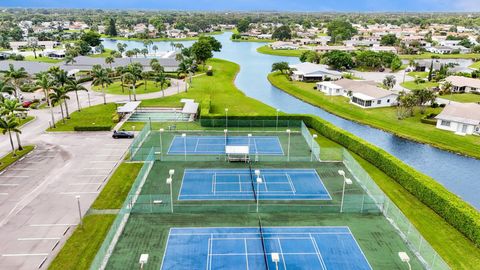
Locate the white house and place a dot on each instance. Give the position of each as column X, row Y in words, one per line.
column 461, row 118
column 463, row 84
column 312, row 72
column 281, row 45
column 440, row 49
column 365, row 94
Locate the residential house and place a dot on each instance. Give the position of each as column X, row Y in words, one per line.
column 47, row 45
column 463, row 84
column 461, row 118
column 365, row 94
column 324, row 49
column 440, row 49
column 312, row 72
column 282, row 45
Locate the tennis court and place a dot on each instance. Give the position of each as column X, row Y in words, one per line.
column 252, row 248
column 214, row 145
column 240, row 184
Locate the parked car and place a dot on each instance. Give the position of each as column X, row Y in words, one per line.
column 27, row 103
column 122, row 134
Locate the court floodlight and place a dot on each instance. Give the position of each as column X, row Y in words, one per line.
column 143, row 260
column 257, row 172
column 405, row 258
column 348, row 181
column 171, row 172
column 341, row 172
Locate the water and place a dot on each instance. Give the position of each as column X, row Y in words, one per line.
column 459, row 174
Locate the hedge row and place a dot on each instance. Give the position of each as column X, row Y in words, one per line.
column 450, row 207
column 92, row 128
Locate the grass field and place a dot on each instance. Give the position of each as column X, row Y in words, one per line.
column 419, row 74
column 291, row 53
column 82, row 246
column 32, row 58
column 382, row 118
column 465, row 97
column 475, row 65
column 441, row 56
column 105, row 53
column 116, row 88
column 8, row 159
column 98, row 115
column 413, row 86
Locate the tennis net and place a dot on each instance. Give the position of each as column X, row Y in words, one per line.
column 260, row 229
column 252, row 181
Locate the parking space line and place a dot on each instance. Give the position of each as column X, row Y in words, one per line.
column 103, row 161
column 14, row 176
column 20, row 169
column 3, row 194
column 80, row 184
column 51, row 225
column 23, row 254
column 79, row 192
column 38, row 238
column 8, row 185
column 92, row 175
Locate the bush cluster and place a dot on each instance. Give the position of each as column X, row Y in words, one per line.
column 92, row 128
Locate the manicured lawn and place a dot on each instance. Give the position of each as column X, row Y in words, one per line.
column 267, row 50
column 419, row 74
column 413, row 86
column 450, row 244
column 116, row 88
column 8, row 159
column 441, row 56
column 382, row 118
column 42, row 59
column 114, row 193
column 82, row 246
column 26, row 120
column 475, row 65
column 162, row 39
column 105, row 53
column 465, row 97
column 221, row 90
column 99, row 115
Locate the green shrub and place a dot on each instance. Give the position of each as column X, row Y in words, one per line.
column 115, row 118
column 85, row 79
column 92, row 128
column 209, row 72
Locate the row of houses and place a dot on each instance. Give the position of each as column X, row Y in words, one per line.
column 291, row 45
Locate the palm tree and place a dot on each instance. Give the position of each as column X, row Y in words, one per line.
column 136, row 51
column 8, row 107
column 61, row 79
column 100, row 77
column 69, row 59
column 59, row 95
column 135, row 71
column 15, row 76
column 155, row 49
column 8, row 125
column 6, row 87
column 46, row 84
column 109, row 60
column 74, row 86
column 185, row 67
column 129, row 54
column 144, row 52
column 162, row 80
column 121, row 47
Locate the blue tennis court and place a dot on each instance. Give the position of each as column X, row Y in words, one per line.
column 214, row 145
column 241, row 248
column 236, row 184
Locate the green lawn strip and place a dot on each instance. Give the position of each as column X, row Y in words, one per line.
column 464, row 97
column 441, row 56
column 98, row 115
column 419, row 74
column 105, row 53
column 221, row 90
column 82, row 246
column 475, row 65
column 116, row 88
column 450, row 243
column 413, row 86
column 8, row 159
column 291, row 53
column 114, row 193
column 162, row 39
column 25, row 120
column 42, row 59
column 382, row 118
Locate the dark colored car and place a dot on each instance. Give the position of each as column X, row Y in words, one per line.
column 122, row 134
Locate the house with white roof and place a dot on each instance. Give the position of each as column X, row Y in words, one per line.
column 365, row 94
column 312, row 72
column 461, row 118
column 462, row 84
column 282, row 45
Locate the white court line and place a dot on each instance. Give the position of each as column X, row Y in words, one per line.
column 246, row 251
column 38, row 238
column 51, row 225
column 80, row 192
column 24, row 254
column 281, row 253
column 291, row 183
column 317, row 250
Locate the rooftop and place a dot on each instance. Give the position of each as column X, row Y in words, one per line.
column 461, row 112
column 463, row 81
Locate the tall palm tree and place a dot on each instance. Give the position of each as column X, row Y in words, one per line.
column 46, row 83
column 101, row 78
column 8, row 125
column 129, row 54
column 61, row 79
column 185, row 68
column 155, row 49
column 8, row 108
column 6, row 87
column 161, row 79
column 109, row 60
column 145, row 75
column 15, row 76
column 69, row 59
column 135, row 71
column 144, row 52
column 74, row 86
column 59, row 95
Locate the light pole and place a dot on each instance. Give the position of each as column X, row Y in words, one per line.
column 184, row 135
column 288, row 146
column 249, row 137
column 275, row 259
column 226, row 117
column 225, row 131
column 79, row 211
column 276, row 124
column 169, row 182
column 88, row 95
column 161, row 143
column 143, row 260
column 259, row 181
column 346, row 181
column 405, row 258
column 314, row 136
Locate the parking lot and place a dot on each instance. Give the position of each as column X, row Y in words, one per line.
column 38, row 203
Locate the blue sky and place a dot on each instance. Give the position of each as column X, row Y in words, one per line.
column 248, row 5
